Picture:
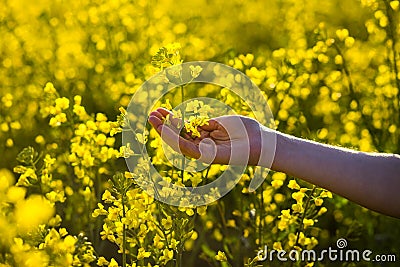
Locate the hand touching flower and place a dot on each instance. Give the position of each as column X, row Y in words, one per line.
column 224, row 140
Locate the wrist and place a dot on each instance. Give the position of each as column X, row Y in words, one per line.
column 269, row 144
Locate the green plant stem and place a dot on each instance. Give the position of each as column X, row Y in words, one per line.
column 180, row 247
column 303, row 216
column 183, row 125
column 123, row 232
column 260, row 226
column 179, row 257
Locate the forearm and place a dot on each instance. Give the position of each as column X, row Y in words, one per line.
column 371, row 180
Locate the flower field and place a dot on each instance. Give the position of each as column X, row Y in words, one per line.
column 68, row 70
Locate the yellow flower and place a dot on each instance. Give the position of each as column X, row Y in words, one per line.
column 326, row 194
column 107, row 197
column 69, row 243
column 394, row 5
column 34, row 258
column 142, row 138
column 33, row 211
column 202, row 210
column 101, row 117
column 283, row 225
column 49, row 88
column 298, row 196
column 192, row 106
column 173, row 243
column 58, row 120
column 167, row 255
column 15, row 194
column 276, row 183
column 307, row 222
column 142, row 253
column 221, row 256
column 293, row 185
column 322, row 211
column 102, row 261
column 285, row 214
column 157, row 242
column 62, row 103
column 166, row 56
column 298, row 208
column 167, row 223
column 113, row 263
column 342, row 34
column 99, row 211
column 126, row 151
column 318, row 201
column 277, row 246
column 195, row 71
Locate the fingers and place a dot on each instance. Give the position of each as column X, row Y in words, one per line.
column 164, row 111
column 179, row 143
column 171, row 136
column 211, row 126
column 156, row 122
column 162, row 114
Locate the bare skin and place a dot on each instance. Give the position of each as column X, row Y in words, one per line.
column 369, row 179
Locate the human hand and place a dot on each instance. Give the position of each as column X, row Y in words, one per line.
column 230, row 139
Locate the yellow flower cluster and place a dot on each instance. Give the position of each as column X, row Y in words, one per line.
column 29, row 238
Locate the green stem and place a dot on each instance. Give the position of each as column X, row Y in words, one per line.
column 303, row 216
column 123, row 232
column 179, row 257
column 260, row 226
column 183, row 125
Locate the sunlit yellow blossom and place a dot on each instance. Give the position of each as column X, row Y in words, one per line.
column 298, row 208
column 276, row 183
column 221, row 256
column 318, row 201
column 298, row 196
column 102, row 261
column 167, row 255
column 322, row 211
column 293, row 184
column 62, row 103
column 326, row 194
column 49, row 88
column 15, row 194
column 202, row 210
column 195, row 71
column 167, row 56
column 277, row 246
column 108, row 197
column 113, row 263
column 33, row 211
column 167, row 223
column 307, row 222
column 142, row 253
